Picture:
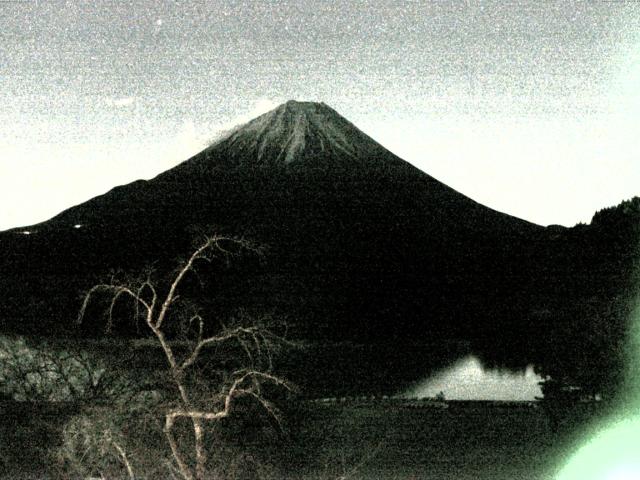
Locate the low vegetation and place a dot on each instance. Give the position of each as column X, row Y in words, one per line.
column 126, row 427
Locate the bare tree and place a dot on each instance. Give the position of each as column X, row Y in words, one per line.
column 160, row 310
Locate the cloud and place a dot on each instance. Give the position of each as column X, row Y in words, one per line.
column 189, row 138
column 122, row 102
column 192, row 136
column 260, row 106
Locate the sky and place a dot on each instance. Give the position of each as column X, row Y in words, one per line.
column 529, row 107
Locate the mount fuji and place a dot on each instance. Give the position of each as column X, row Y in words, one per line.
column 362, row 247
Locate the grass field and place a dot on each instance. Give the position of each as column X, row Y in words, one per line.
column 358, row 440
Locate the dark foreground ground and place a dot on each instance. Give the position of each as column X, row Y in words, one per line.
column 396, row 441
column 356, row 440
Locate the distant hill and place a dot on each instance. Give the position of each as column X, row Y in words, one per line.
column 362, row 247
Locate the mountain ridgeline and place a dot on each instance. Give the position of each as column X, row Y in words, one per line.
column 361, row 248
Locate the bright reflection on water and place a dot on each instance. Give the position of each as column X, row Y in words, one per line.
column 468, row 380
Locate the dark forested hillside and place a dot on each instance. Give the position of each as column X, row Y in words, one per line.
column 583, row 330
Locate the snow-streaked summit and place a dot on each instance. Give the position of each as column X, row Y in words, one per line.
column 298, row 131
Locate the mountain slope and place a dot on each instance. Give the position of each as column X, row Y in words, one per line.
column 335, row 208
column 301, row 141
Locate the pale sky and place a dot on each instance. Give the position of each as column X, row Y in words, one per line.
column 530, row 107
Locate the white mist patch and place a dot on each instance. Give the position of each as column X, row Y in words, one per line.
column 469, row 380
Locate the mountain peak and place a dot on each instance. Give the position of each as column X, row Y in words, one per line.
column 298, row 132
column 302, row 106
column 296, row 114
column 295, row 108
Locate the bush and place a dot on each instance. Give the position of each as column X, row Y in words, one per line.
column 43, row 373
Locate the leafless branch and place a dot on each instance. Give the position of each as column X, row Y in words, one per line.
column 122, row 454
column 116, row 291
column 255, row 339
